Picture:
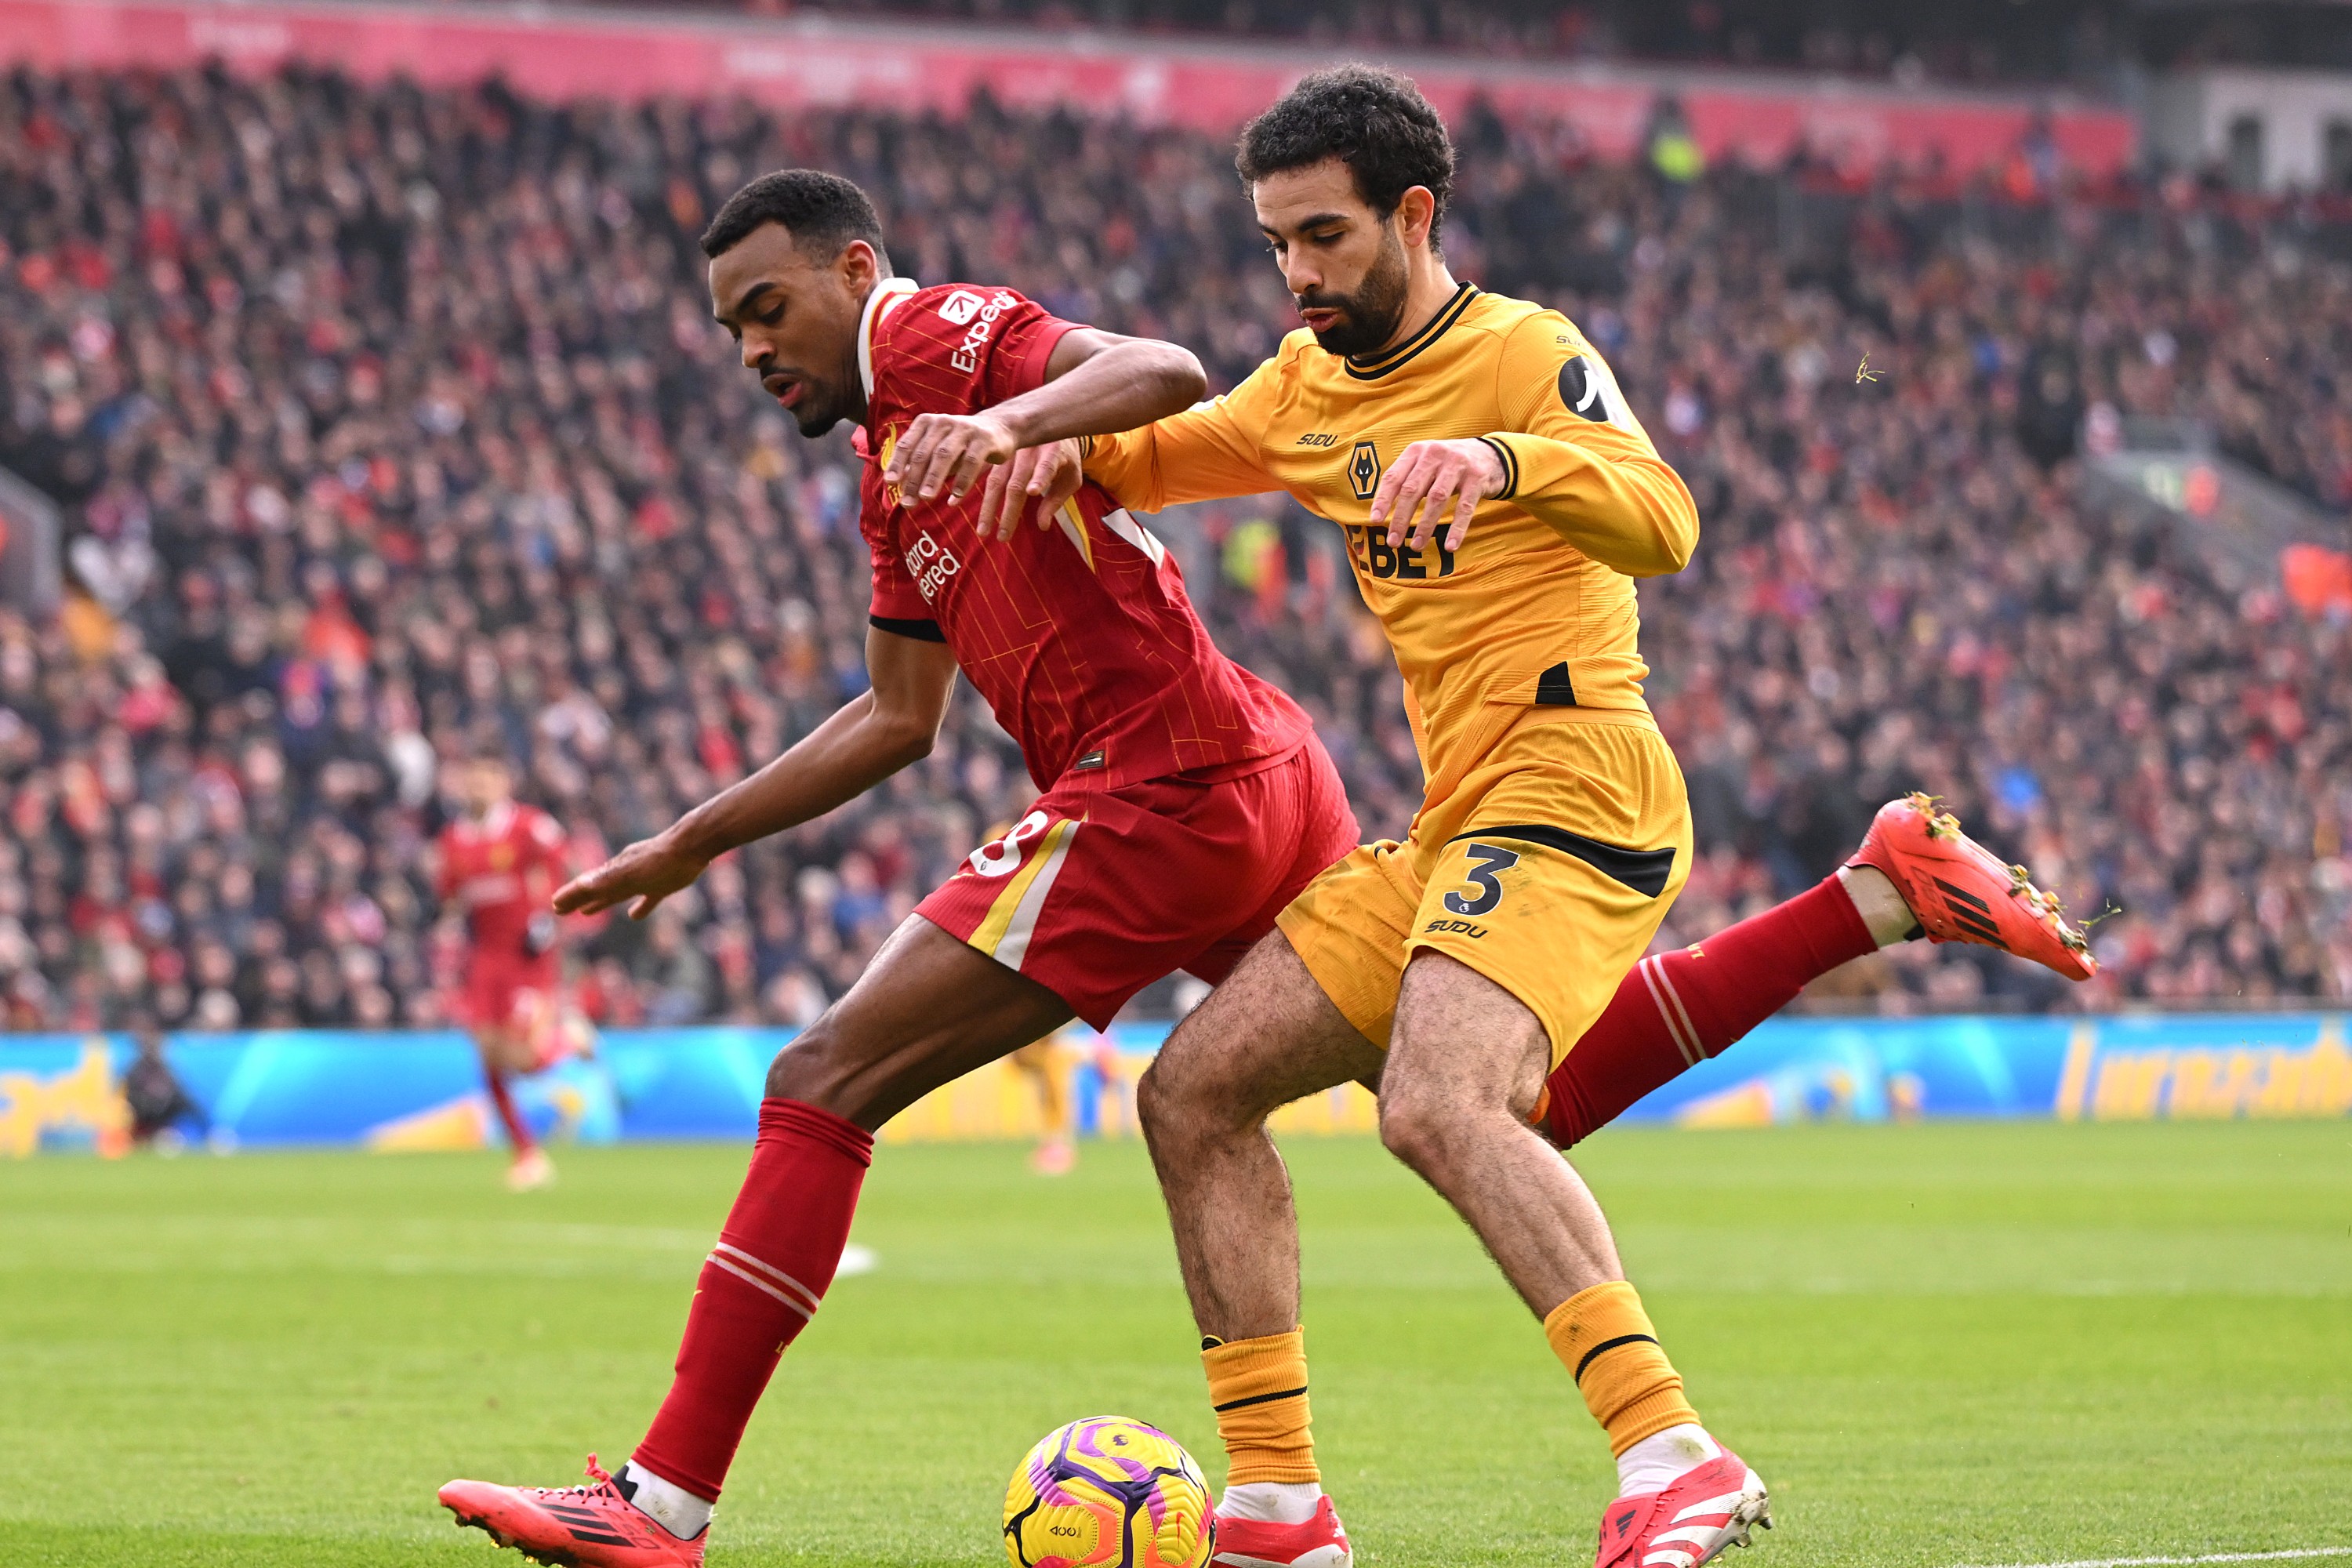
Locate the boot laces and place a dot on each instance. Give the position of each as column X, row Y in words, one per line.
column 599, row 1480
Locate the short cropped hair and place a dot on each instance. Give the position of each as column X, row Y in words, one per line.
column 1373, row 120
column 822, row 212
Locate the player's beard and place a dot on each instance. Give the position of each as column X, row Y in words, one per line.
column 819, row 410
column 1369, row 316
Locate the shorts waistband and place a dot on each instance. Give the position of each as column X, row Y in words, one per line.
column 1622, row 717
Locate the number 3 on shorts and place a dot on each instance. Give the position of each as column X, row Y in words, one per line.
column 1486, row 877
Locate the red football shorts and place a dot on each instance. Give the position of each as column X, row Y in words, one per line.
column 1097, row 894
column 503, row 990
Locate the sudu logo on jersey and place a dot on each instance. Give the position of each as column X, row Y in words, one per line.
column 982, row 320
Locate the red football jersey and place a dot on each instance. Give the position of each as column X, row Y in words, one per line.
column 502, row 870
column 1079, row 636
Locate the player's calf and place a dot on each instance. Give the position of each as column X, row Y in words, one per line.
column 1915, row 874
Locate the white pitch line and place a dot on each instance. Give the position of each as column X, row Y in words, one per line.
column 2209, row 1557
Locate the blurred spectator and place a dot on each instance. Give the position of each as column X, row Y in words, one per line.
column 412, row 402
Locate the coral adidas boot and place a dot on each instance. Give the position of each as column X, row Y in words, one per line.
column 1319, row 1543
column 1959, row 892
column 576, row 1527
column 1699, row 1512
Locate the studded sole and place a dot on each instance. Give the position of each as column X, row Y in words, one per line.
column 555, row 1558
column 1754, row 1509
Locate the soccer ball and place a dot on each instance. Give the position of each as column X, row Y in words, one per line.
column 1107, row 1492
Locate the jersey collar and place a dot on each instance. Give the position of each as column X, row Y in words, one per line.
column 885, row 299
column 1380, row 365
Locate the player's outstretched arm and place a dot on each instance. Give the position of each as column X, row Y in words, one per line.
column 1210, row 451
column 894, row 723
column 1095, row 383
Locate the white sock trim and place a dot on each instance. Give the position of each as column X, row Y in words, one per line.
column 672, row 1507
column 1271, row 1502
column 1670, row 1008
column 1881, row 924
column 1659, row 1459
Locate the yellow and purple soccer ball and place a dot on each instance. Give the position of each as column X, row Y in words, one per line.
column 1107, row 1492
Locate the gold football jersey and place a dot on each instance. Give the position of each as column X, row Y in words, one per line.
column 1537, row 607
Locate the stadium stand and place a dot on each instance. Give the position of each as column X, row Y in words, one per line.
column 388, row 419
column 2088, row 43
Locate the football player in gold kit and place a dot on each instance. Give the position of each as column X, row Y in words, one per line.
column 1498, row 500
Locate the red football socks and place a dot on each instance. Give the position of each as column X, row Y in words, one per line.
column 502, row 1100
column 1676, row 1009
column 760, row 1285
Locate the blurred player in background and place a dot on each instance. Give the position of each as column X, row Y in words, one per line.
column 161, row 1105
column 1051, row 1066
column 1047, row 1065
column 500, row 863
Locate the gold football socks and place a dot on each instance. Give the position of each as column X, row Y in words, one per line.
column 1259, row 1389
column 1605, row 1340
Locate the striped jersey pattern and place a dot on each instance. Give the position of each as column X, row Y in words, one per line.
column 1080, row 638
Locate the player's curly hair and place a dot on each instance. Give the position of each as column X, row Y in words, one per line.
column 1373, row 120
column 822, row 213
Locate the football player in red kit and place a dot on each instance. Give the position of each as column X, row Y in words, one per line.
column 1185, row 802
column 500, row 863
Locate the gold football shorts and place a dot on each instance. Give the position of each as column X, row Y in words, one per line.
column 1547, row 869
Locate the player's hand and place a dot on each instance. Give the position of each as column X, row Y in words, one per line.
column 1047, row 476
column 647, row 872
column 1440, row 480
column 945, row 453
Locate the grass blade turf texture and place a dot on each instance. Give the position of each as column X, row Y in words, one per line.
column 1942, row 1344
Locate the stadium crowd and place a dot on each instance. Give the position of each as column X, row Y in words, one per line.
column 2086, row 43
column 393, row 420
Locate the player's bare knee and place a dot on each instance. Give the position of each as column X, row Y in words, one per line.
column 1165, row 1101
column 1177, row 1099
column 1152, row 1108
column 812, row 1069
column 1414, row 1126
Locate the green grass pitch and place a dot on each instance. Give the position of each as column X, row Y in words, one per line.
column 1942, row 1344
